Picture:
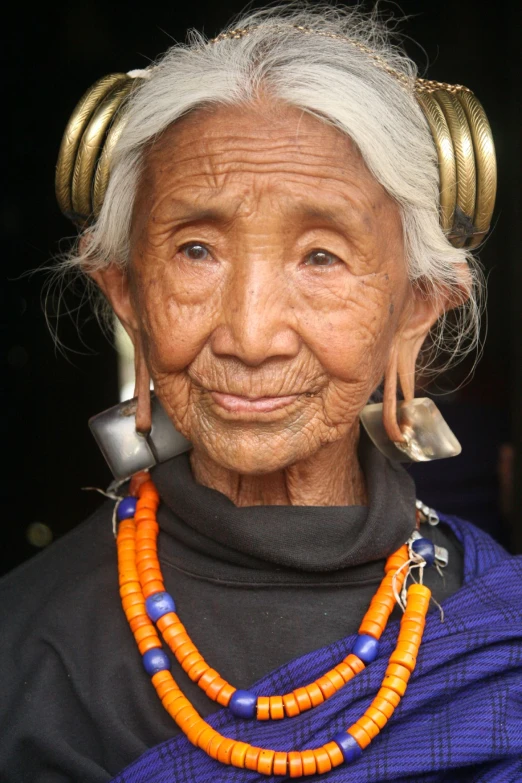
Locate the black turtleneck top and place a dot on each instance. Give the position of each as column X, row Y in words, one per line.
column 255, row 587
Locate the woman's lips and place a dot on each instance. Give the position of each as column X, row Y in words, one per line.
column 236, row 404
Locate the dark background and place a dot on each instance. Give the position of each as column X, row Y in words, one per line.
column 54, row 53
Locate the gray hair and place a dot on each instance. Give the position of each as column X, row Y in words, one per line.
column 343, row 69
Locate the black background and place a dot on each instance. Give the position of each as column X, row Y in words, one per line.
column 54, row 52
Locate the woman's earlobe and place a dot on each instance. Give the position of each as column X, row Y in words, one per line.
column 142, row 391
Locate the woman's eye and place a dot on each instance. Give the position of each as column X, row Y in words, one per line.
column 321, row 258
column 195, row 252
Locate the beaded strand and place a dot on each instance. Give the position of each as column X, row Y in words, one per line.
column 141, row 580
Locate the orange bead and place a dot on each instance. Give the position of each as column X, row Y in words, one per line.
column 148, row 565
column 404, row 659
column 412, row 625
column 171, row 618
column 354, row 662
column 334, row 751
column 153, row 587
column 141, row 621
column 280, row 766
column 303, row 699
column 214, row 744
column 134, row 599
column 136, row 611
column 378, row 612
column 225, row 694
column 170, row 697
column 251, row 757
column 422, row 591
column 291, row 706
column 410, row 636
column 184, row 712
column 225, row 750
column 150, row 643
column 130, row 588
column 315, row 693
column 239, row 752
column 177, row 705
column 390, row 695
column 360, row 735
column 215, row 688
column 322, row 760
column 208, row 677
column 190, row 660
column 265, row 761
column 396, row 670
column 126, row 545
column 370, row 727
column 407, row 647
column 309, row 763
column 161, row 677
column 377, row 716
column 164, row 687
column 195, row 732
column 263, row 707
column 382, row 706
column 182, row 650
column 415, row 617
column 197, row 669
column 371, row 628
column 295, row 764
column 326, row 687
column 276, row 708
column 175, row 635
column 395, row 684
column 205, row 737
column 176, row 638
column 150, row 575
column 346, row 672
column 385, row 598
column 336, row 679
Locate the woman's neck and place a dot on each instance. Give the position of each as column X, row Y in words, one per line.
column 330, row 477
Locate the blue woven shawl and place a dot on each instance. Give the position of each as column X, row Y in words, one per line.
column 460, row 720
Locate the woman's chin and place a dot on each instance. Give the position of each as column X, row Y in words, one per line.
column 252, row 455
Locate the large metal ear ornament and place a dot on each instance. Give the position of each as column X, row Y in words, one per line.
column 466, row 155
column 426, row 434
column 84, row 160
column 458, row 124
column 127, row 451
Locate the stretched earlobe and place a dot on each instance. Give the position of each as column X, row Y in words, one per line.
column 389, row 403
column 142, row 391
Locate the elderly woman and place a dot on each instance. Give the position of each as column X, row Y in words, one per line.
column 289, row 215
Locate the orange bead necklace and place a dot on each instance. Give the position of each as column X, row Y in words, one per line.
column 145, row 600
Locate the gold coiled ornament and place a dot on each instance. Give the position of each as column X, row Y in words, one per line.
column 457, row 121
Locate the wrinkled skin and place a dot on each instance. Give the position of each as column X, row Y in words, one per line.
column 267, row 262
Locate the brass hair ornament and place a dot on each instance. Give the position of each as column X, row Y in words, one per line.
column 458, row 123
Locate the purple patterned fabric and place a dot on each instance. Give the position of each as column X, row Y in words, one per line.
column 459, row 722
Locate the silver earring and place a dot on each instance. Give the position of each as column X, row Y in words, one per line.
column 426, row 434
column 127, row 451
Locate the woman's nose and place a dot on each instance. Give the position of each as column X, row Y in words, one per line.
column 256, row 322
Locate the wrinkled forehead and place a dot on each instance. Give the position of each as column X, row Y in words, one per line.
column 234, row 152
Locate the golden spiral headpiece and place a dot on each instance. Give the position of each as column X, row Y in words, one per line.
column 458, row 124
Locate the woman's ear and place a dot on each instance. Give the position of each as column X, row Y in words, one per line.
column 113, row 281
column 423, row 311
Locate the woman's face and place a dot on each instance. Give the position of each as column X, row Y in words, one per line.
column 267, row 282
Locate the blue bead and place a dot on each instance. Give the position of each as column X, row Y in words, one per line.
column 159, row 604
column 425, row 549
column 155, row 660
column 126, row 508
column 243, row 704
column 366, row 648
column 349, row 746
